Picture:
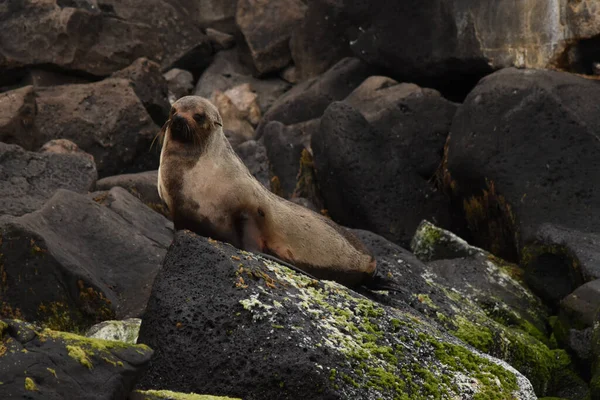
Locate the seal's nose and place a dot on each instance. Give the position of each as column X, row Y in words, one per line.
column 178, row 123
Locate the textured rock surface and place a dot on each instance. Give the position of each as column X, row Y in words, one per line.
column 285, row 334
column 377, row 178
column 28, row 179
column 180, row 83
column 17, row 117
column 267, row 26
column 123, row 331
column 76, row 262
column 239, row 110
column 142, row 185
column 64, row 146
column 254, row 156
column 50, row 365
column 529, row 139
column 432, row 243
column 169, row 395
column 105, row 119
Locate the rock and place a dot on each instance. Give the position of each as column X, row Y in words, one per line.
column 169, row 395
column 29, row 178
column 150, row 86
column 442, row 40
column 515, row 157
column 284, row 145
column 274, row 334
column 559, row 260
column 46, row 364
column 218, row 14
column 376, row 176
column 227, row 72
column 308, row 100
column 289, row 74
column 305, row 203
column 239, row 110
column 431, row 243
column 105, row 119
column 220, row 40
column 142, row 185
column 98, row 39
column 267, row 26
column 75, row 262
column 254, row 156
column 39, row 77
column 180, row 83
column 123, row 331
column 64, row 146
column 17, row 117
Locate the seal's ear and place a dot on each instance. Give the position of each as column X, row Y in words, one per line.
column 161, row 134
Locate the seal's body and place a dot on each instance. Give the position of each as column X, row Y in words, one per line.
column 209, row 190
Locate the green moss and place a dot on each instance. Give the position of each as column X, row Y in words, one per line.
column 3, row 327
column 79, row 355
column 167, row 394
column 425, row 299
column 53, row 372
column 30, row 385
column 477, row 336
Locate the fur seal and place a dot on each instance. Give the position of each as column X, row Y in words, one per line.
column 208, row 190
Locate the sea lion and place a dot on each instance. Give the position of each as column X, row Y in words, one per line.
column 208, row 190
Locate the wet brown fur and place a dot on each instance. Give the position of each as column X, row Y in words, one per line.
column 209, row 190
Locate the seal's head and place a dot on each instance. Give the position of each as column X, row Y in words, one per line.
column 191, row 121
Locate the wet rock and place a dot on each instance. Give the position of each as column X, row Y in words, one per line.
column 98, row 39
column 180, row 83
column 125, row 331
column 64, row 146
column 47, row 364
column 17, row 117
column 284, row 145
column 308, row 100
column 142, row 185
column 105, row 119
column 254, row 156
column 150, row 86
column 522, row 152
column 30, row 178
column 283, row 334
column 220, row 40
column 227, row 72
column 239, row 110
column 376, row 176
column 75, row 262
column 559, row 260
column 267, row 26
column 431, row 243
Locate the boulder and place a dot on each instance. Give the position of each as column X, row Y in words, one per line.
column 239, row 110
column 377, row 176
column 150, row 86
column 432, row 243
column 522, row 152
column 17, row 117
column 98, row 39
column 47, row 364
column 169, row 395
column 64, row 146
column 308, row 100
column 254, row 156
column 180, row 83
column 220, row 40
column 272, row 333
column 29, row 178
column 76, row 262
column 105, row 119
column 559, row 260
column 267, row 26
column 284, row 145
column 441, row 40
column 218, row 14
column 123, row 331
column 226, row 72
column 142, row 185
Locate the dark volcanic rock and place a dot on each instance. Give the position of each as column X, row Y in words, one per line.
column 142, row 185
column 49, row 365
column 220, row 40
column 105, row 119
column 180, row 83
column 64, row 146
column 528, row 137
column 309, row 99
column 226, row 72
column 375, row 176
column 75, row 262
column 150, row 86
column 28, row 179
column 284, row 145
column 432, row 243
column 582, row 305
column 267, row 26
column 254, row 156
column 218, row 14
column 17, row 117
column 558, row 260
column 271, row 333
column 98, row 39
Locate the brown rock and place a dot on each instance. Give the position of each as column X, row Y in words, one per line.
column 220, row 40
column 17, row 117
column 180, row 83
column 239, row 110
column 267, row 27
column 64, row 146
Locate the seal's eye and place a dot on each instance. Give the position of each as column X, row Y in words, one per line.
column 172, row 110
column 199, row 118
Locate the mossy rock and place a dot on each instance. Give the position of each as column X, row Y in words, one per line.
column 169, row 395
